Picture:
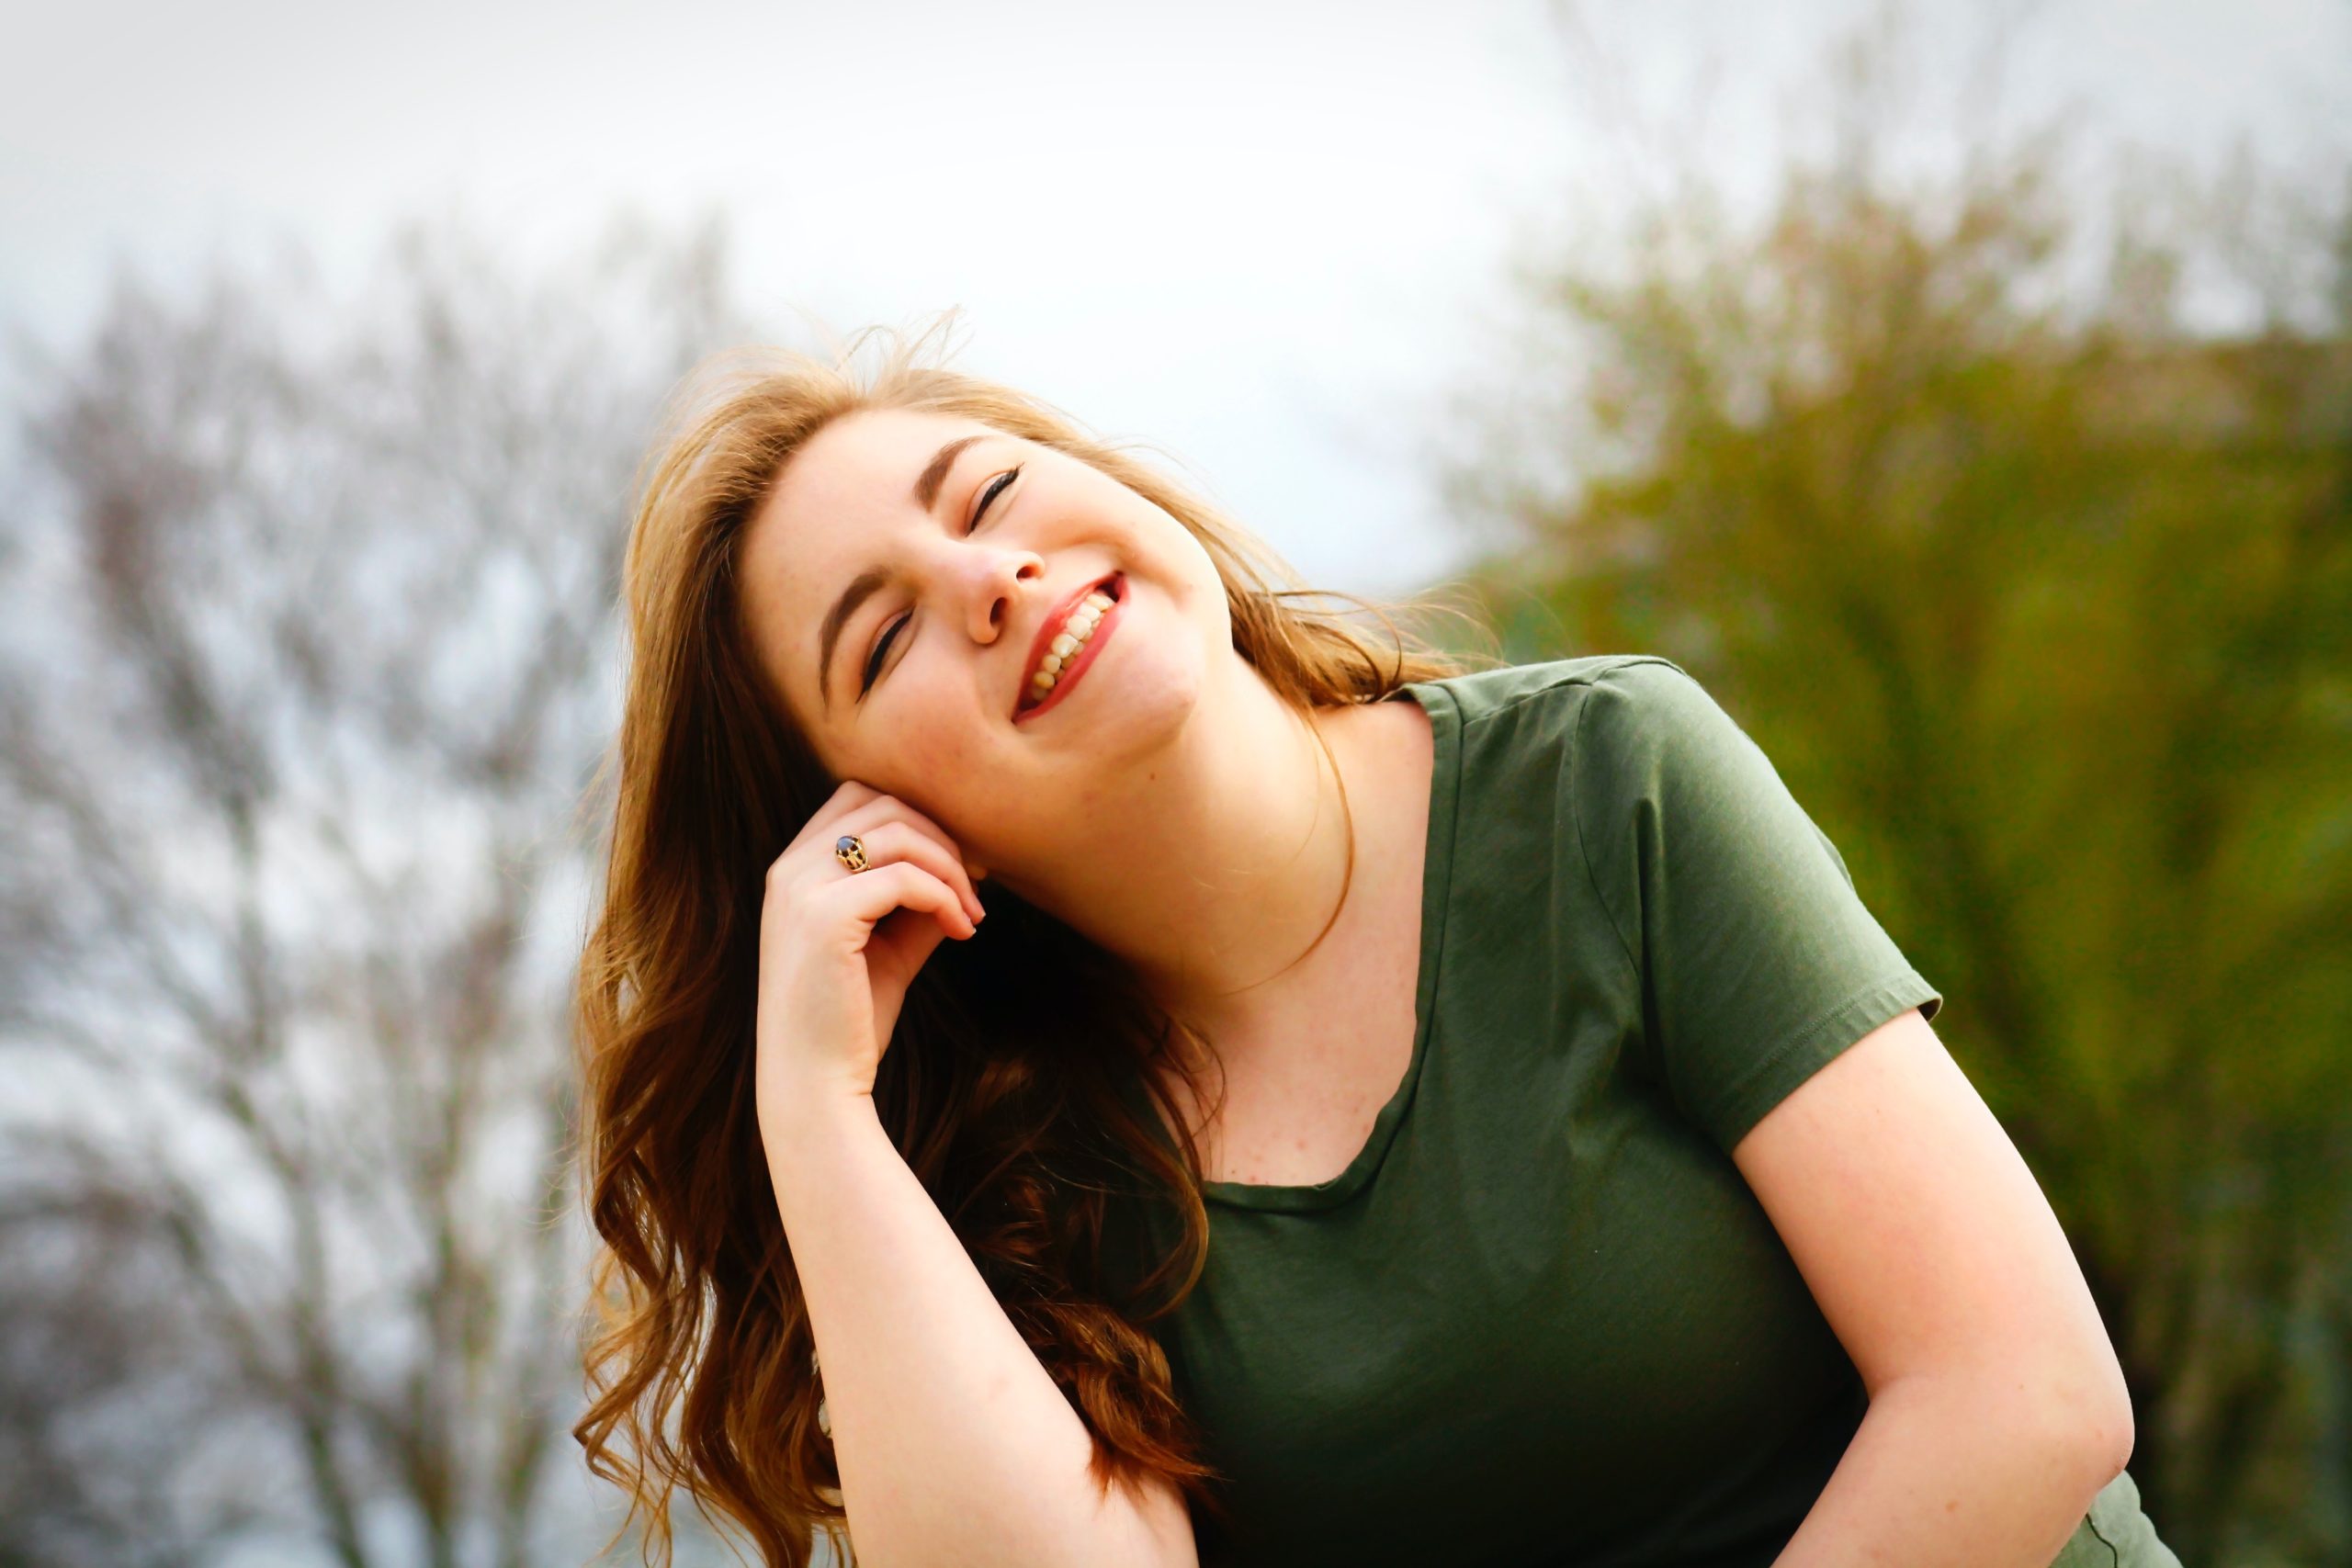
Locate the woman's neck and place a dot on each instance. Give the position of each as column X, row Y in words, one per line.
column 1214, row 867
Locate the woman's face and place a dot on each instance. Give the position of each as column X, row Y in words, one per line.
column 894, row 583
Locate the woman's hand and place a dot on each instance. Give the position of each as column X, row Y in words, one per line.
column 839, row 948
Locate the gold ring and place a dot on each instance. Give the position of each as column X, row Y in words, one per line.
column 851, row 852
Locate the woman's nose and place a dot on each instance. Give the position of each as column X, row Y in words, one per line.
column 1004, row 579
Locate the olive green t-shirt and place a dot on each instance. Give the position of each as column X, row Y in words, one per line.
column 1541, row 1318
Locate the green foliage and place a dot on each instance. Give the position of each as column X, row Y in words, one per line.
column 2040, row 594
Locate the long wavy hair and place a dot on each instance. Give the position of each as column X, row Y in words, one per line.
column 1025, row 1115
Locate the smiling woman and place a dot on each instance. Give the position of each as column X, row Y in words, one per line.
column 842, row 590
column 1581, row 1180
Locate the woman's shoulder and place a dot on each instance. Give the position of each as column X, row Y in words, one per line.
column 1499, row 723
column 1478, row 694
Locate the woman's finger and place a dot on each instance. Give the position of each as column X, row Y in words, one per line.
column 895, row 841
column 872, row 895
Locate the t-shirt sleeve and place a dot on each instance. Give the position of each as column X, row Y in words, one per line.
column 1759, row 962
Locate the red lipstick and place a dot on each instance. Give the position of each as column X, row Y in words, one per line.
column 1114, row 588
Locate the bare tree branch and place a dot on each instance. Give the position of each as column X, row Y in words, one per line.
column 286, row 802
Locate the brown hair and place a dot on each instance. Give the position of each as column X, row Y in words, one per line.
column 1020, row 1117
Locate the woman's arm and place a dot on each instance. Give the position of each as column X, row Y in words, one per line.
column 954, row 1443
column 1962, row 1472
column 1997, row 1407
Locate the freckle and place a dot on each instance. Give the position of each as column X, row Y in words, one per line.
column 1952, row 1505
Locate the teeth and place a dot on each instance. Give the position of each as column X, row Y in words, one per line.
column 1068, row 641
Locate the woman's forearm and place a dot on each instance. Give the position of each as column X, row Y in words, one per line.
column 954, row 1443
column 1982, row 1472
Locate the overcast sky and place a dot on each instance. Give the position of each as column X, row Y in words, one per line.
column 1266, row 235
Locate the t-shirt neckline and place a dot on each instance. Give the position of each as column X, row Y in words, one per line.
column 1437, row 865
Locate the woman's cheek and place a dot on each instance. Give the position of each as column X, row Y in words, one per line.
column 938, row 742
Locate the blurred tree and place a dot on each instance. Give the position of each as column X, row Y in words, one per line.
column 2023, row 545
column 308, row 621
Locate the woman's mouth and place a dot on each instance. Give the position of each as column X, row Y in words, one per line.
column 1071, row 648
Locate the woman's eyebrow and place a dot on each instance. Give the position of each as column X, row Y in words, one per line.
column 867, row 584
column 934, row 473
column 862, row 588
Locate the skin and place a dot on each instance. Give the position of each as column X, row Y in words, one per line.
column 1171, row 807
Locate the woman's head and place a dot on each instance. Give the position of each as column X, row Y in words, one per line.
column 894, row 584
column 782, row 481
column 789, row 486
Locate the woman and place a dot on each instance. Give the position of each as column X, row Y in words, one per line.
column 1394, row 1111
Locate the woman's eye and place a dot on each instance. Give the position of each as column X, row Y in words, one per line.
column 988, row 496
column 996, row 487
column 873, row 660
